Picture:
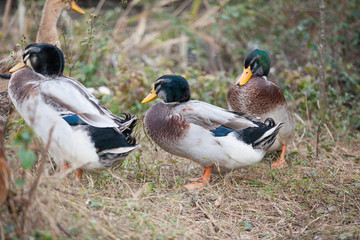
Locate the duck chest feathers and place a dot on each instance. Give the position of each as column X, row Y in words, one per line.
column 21, row 88
column 163, row 125
column 256, row 97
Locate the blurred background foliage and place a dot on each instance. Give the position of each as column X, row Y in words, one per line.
column 127, row 45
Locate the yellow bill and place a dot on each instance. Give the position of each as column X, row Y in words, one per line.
column 245, row 76
column 17, row 67
column 76, row 8
column 152, row 96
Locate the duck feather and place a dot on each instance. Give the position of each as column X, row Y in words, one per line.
column 74, row 97
column 211, row 117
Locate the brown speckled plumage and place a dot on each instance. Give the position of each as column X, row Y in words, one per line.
column 257, row 97
column 163, row 126
column 262, row 98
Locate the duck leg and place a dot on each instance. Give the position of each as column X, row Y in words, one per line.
column 79, row 174
column 200, row 182
column 66, row 166
column 280, row 163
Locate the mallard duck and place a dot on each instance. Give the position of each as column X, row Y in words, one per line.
column 217, row 139
column 77, row 127
column 47, row 32
column 254, row 94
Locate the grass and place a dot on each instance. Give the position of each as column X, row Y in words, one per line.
column 313, row 198
column 316, row 197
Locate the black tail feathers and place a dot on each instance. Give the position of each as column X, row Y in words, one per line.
column 4, row 76
column 270, row 122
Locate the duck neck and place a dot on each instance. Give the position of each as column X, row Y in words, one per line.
column 51, row 12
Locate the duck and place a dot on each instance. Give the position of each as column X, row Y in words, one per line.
column 50, row 14
column 47, row 32
column 254, row 94
column 75, row 127
column 219, row 140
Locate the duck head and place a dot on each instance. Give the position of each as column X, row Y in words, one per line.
column 170, row 88
column 257, row 63
column 43, row 58
column 75, row 7
column 58, row 5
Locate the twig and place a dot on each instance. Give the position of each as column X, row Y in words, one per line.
column 303, row 230
column 181, row 7
column 121, row 21
column 99, row 6
column 90, row 39
column 40, row 170
column 322, row 84
column 127, row 185
column 2, row 234
column 211, row 218
column 64, row 230
column 307, row 112
column 6, row 16
column 317, row 141
column 330, row 134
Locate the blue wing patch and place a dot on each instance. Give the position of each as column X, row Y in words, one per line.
column 221, row 131
column 73, row 120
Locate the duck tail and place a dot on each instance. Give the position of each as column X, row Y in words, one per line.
column 268, row 138
column 4, row 76
column 126, row 127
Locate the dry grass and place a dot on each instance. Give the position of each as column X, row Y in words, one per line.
column 313, row 198
column 316, row 197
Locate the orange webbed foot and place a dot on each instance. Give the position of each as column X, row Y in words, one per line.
column 280, row 163
column 198, row 183
column 79, row 174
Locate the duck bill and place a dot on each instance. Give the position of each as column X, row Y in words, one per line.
column 18, row 66
column 152, row 96
column 245, row 76
column 76, row 8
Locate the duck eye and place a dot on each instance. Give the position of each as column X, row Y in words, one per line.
column 158, row 83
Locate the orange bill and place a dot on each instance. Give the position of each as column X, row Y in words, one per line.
column 245, row 76
column 17, row 67
column 151, row 96
column 76, row 8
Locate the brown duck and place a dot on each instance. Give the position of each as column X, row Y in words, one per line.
column 47, row 31
column 254, row 94
column 217, row 139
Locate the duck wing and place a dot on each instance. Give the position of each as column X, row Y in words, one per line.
column 211, row 117
column 73, row 97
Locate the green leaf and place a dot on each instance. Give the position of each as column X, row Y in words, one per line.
column 96, row 204
column 27, row 157
column 20, row 182
column 245, row 226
